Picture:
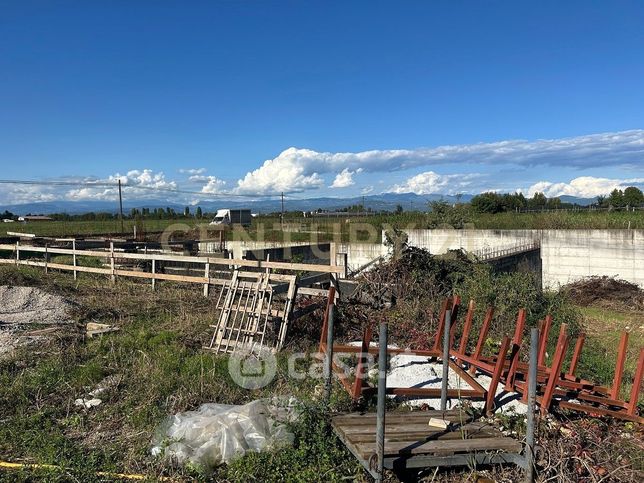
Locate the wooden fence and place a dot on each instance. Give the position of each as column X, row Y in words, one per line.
column 206, row 280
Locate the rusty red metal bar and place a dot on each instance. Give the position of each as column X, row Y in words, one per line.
column 576, row 354
column 619, row 367
column 543, row 343
column 557, row 363
column 482, row 336
column 496, row 375
column 467, row 327
column 516, row 346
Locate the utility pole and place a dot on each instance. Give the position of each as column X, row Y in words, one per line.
column 364, row 208
column 282, row 217
column 121, row 207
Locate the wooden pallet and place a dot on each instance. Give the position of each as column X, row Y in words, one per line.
column 248, row 320
column 411, row 443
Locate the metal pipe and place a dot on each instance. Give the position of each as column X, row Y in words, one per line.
column 445, row 380
column 532, row 395
column 382, row 396
column 328, row 369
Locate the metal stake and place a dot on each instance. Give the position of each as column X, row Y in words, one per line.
column 382, row 395
column 532, row 395
column 444, row 382
column 328, row 369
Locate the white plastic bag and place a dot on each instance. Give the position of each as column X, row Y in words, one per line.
column 216, row 433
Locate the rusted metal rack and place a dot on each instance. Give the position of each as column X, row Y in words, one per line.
column 360, row 386
column 555, row 387
column 402, row 441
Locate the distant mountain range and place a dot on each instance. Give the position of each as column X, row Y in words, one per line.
column 385, row 202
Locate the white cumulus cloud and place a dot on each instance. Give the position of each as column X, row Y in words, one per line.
column 297, row 169
column 140, row 183
column 214, row 185
column 429, row 182
column 343, row 179
column 583, row 187
column 192, row 171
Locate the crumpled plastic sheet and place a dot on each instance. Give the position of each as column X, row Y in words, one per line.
column 216, row 433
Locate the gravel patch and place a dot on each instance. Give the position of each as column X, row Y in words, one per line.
column 29, row 305
column 24, row 308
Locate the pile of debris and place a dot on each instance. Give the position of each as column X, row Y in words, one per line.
column 413, row 271
column 606, row 291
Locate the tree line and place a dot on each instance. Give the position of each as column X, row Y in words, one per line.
column 492, row 202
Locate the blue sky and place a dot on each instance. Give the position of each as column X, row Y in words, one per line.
column 321, row 98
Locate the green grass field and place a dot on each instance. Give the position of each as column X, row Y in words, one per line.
column 346, row 228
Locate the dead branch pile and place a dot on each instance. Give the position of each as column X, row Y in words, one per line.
column 588, row 449
column 414, row 272
column 606, row 291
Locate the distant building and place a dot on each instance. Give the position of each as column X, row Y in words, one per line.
column 34, row 218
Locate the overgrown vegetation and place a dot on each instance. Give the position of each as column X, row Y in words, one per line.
column 154, row 366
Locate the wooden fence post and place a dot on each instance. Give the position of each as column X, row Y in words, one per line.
column 112, row 262
column 154, row 270
column 18, row 253
column 46, row 257
column 207, row 277
column 74, row 257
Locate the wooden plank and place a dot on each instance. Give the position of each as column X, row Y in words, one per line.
column 410, row 437
column 351, row 431
column 259, row 264
column 403, row 416
column 403, row 427
column 160, row 276
column 443, row 447
column 314, row 292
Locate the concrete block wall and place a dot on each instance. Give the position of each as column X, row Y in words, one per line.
column 567, row 255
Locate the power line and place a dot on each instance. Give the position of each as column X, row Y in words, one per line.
column 115, row 185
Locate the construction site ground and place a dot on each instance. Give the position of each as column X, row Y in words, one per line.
column 154, row 366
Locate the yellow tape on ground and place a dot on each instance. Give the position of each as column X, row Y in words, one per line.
column 123, row 476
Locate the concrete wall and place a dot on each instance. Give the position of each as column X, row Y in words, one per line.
column 361, row 254
column 567, row 255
